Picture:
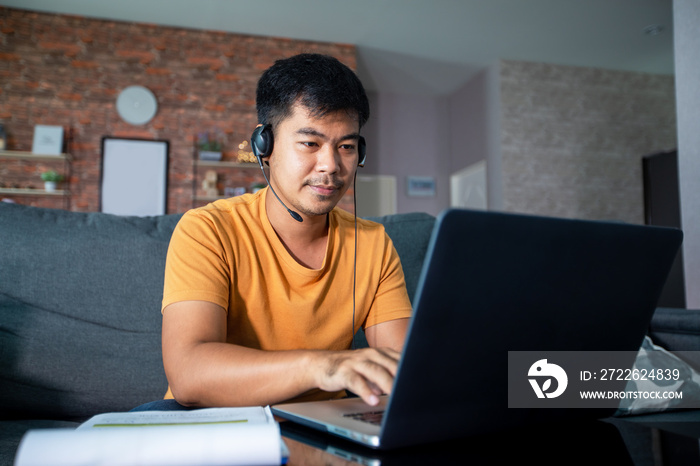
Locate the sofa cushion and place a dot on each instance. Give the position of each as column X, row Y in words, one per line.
column 80, row 311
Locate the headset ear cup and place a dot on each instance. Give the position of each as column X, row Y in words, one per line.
column 361, row 151
column 262, row 141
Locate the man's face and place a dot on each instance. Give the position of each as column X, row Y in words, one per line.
column 314, row 159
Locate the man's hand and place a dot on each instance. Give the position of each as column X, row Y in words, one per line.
column 367, row 372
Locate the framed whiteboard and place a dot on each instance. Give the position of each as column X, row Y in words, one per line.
column 134, row 177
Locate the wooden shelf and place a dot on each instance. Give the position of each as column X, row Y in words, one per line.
column 225, row 164
column 16, row 154
column 215, row 164
column 33, row 192
column 39, row 159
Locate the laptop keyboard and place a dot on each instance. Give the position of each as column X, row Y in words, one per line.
column 372, row 417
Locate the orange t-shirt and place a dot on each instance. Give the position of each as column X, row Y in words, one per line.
column 228, row 253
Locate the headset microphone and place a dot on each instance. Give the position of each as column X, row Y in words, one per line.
column 294, row 215
column 261, row 142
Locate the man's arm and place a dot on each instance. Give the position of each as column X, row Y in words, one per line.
column 204, row 370
column 389, row 334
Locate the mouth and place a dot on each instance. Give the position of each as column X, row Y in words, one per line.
column 325, row 188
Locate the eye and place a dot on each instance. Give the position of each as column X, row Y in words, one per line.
column 348, row 147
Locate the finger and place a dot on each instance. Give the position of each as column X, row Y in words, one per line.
column 375, row 388
column 367, row 372
column 363, row 377
column 387, row 358
column 364, row 390
column 378, row 377
column 370, row 398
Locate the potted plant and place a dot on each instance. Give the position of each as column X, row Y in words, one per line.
column 209, row 147
column 50, row 178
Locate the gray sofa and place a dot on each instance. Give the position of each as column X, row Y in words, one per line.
column 80, row 314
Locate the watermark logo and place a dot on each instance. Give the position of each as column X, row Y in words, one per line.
column 544, row 372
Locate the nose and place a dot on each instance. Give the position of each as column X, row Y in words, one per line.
column 328, row 160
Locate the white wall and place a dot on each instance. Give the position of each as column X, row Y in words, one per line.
column 407, row 135
column 475, row 127
column 686, row 18
column 417, row 135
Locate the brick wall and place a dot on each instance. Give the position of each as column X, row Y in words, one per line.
column 68, row 71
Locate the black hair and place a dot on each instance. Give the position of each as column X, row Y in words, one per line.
column 320, row 83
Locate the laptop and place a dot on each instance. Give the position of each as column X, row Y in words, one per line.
column 493, row 283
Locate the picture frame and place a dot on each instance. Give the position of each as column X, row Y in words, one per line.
column 48, row 140
column 420, row 186
column 134, row 176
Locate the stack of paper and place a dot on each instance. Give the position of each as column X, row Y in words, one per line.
column 214, row 436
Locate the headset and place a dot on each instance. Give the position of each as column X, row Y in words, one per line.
column 262, row 143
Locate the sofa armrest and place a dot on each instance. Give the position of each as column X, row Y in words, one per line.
column 676, row 329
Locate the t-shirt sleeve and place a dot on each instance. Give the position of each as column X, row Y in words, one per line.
column 196, row 267
column 391, row 300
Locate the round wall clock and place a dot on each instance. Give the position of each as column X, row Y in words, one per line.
column 137, row 105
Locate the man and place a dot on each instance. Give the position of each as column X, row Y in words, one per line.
column 259, row 303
